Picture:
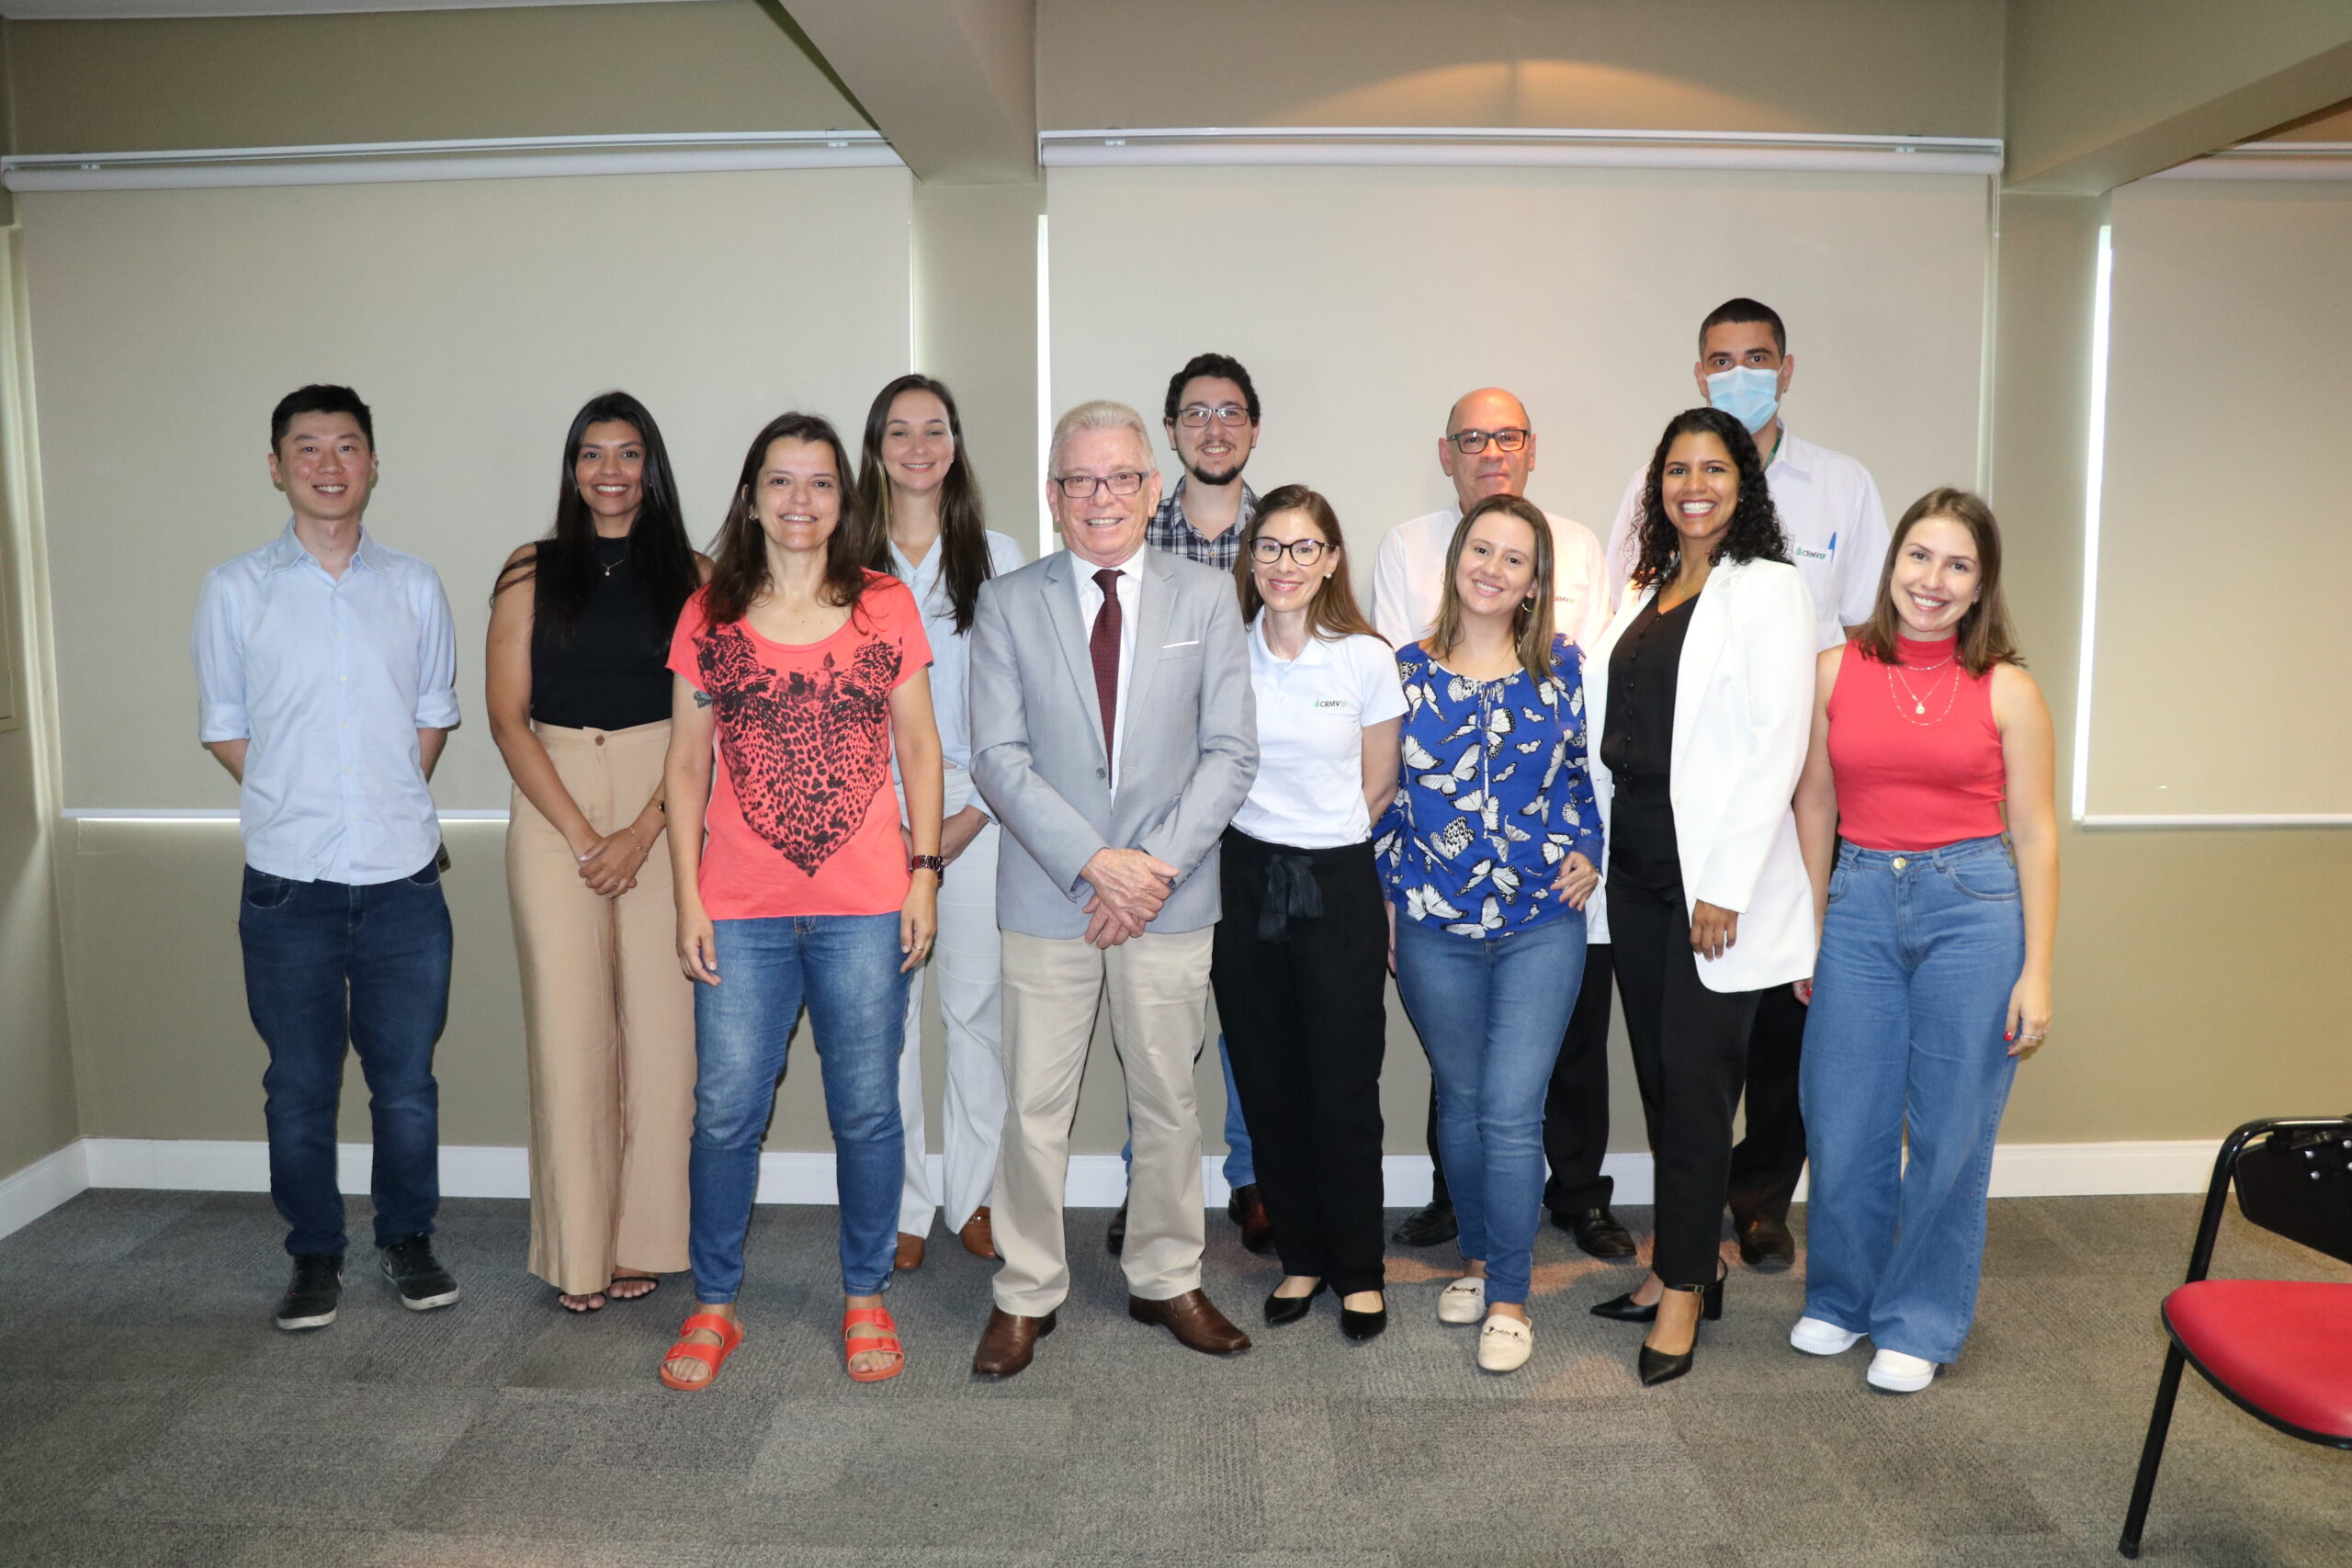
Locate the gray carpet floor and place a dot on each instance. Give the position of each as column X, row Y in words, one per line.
column 150, row 1414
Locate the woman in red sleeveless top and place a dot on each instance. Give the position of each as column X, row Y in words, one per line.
column 1927, row 817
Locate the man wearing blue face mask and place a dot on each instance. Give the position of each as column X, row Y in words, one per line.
column 1837, row 538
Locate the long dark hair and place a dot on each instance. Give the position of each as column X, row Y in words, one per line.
column 1755, row 532
column 563, row 566
column 963, row 562
column 740, row 575
column 1531, row 622
column 1984, row 631
column 1333, row 612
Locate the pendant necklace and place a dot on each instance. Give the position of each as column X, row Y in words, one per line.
column 609, row 565
column 1920, row 703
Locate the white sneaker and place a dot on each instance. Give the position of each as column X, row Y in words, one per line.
column 1898, row 1373
column 1464, row 1301
column 1816, row 1338
column 1505, row 1344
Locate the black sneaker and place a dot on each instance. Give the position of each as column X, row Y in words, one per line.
column 1428, row 1225
column 312, row 1294
column 417, row 1275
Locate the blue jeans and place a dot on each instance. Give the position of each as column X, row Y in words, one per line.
column 1240, row 1165
column 846, row 968
column 1911, row 995
column 331, row 966
column 1490, row 1012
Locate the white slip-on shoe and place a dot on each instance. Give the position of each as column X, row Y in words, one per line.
column 1464, row 1301
column 1816, row 1338
column 1898, row 1373
column 1505, row 1343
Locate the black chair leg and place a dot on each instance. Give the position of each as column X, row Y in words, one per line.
column 2143, row 1490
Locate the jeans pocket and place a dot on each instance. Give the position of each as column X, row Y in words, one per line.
column 1840, row 875
column 1989, row 878
column 427, row 876
column 263, row 891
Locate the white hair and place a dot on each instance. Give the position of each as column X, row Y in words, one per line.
column 1103, row 414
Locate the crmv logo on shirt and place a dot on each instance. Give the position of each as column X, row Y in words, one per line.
column 1812, row 555
column 1331, row 702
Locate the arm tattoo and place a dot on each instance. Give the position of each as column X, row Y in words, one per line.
column 702, row 698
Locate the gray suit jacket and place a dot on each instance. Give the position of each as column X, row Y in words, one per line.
column 1039, row 755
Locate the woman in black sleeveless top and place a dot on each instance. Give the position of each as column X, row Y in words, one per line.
column 579, row 702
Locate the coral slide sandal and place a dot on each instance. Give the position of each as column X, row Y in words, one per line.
column 730, row 1338
column 884, row 1336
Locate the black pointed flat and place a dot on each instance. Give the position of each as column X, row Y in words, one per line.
column 1290, row 1309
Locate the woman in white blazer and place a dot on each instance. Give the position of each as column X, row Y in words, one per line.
column 1700, row 692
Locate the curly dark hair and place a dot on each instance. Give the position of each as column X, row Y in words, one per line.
column 1755, row 532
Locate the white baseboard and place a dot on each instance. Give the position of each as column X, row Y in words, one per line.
column 42, row 1186
column 1095, row 1182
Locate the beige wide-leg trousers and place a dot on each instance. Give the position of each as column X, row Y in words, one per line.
column 609, row 1026
column 1158, row 987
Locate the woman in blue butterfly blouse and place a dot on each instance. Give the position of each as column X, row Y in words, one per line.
column 1490, row 851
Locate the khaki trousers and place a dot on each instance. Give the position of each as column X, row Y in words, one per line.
column 1159, row 990
column 609, row 1026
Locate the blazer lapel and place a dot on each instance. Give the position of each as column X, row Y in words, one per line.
column 1702, row 648
column 1070, row 632
column 1151, row 631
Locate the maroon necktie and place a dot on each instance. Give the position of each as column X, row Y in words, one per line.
column 1104, row 645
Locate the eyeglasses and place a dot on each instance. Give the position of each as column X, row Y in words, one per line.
column 1470, row 443
column 1194, row 416
column 1306, row 552
column 1086, row 487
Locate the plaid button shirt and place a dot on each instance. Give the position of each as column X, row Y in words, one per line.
column 1168, row 530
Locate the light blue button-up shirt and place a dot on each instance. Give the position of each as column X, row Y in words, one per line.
column 951, row 655
column 329, row 680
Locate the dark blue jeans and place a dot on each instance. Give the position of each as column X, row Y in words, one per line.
column 845, row 967
column 329, row 966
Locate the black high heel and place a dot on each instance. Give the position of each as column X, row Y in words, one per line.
column 1625, row 1309
column 1656, row 1367
column 1290, row 1309
column 1362, row 1326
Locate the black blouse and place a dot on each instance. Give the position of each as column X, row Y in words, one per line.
column 613, row 672
column 1637, row 744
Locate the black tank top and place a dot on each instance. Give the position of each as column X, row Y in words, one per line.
column 612, row 672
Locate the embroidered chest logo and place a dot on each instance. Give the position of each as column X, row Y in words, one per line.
column 806, row 751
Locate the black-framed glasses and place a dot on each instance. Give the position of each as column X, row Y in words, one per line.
column 1470, row 443
column 1196, row 416
column 1086, row 487
column 1306, row 552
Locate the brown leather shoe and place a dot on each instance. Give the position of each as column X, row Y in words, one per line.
column 1247, row 1209
column 1009, row 1341
column 1197, row 1325
column 978, row 1236
column 910, row 1252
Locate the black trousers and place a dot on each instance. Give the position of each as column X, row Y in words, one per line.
column 1770, row 1156
column 1576, row 1105
column 1690, row 1056
column 1306, row 1025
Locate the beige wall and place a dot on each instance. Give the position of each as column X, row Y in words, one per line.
column 1917, row 67
column 422, row 75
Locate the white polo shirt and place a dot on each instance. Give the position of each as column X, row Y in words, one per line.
column 1311, row 711
column 1407, row 578
column 1830, row 509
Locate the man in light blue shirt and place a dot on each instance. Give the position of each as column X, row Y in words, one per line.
column 324, row 669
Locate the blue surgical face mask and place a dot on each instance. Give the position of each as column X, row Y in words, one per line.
column 1747, row 393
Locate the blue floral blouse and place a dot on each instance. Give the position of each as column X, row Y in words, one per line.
column 1497, row 793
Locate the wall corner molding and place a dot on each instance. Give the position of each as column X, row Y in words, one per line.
column 56, row 1177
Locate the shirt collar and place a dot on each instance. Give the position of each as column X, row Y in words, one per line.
column 1131, row 567
column 1795, row 453
column 287, row 551
column 1318, row 651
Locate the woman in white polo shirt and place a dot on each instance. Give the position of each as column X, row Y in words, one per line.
column 1301, row 951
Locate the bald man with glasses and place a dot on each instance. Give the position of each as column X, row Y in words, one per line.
column 1489, row 448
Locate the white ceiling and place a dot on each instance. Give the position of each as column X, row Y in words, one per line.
column 89, row 10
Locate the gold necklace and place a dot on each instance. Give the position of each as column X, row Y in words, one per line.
column 1919, row 704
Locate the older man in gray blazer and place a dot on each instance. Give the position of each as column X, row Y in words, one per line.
column 1113, row 735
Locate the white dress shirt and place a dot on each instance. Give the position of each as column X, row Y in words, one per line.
column 1090, row 605
column 1312, row 712
column 328, row 679
column 951, row 654
column 1830, row 509
column 1407, row 578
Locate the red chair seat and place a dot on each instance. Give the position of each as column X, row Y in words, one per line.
column 2282, row 1346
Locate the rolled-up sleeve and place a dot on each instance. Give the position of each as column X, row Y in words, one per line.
column 218, row 648
column 437, row 656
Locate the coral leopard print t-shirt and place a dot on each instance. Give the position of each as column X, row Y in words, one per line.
column 802, row 818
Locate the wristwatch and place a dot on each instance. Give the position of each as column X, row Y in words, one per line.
column 935, row 864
